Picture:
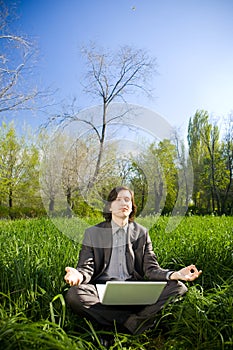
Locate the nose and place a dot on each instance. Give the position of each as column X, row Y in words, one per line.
column 125, row 201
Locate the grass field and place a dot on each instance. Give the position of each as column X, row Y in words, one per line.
column 33, row 314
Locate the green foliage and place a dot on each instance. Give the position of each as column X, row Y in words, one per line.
column 33, row 313
column 161, row 176
column 83, row 210
column 21, row 212
column 212, row 164
column 19, row 162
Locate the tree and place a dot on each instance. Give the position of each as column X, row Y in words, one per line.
column 197, row 151
column 210, row 172
column 138, row 182
column 53, row 152
column 210, row 136
column 77, row 169
column 166, row 153
column 185, row 174
column 18, row 168
column 160, row 177
column 227, row 154
column 66, row 167
column 110, row 78
column 17, row 52
column 74, row 166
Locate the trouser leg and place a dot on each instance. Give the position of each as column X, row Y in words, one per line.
column 84, row 300
column 144, row 319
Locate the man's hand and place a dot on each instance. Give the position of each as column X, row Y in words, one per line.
column 73, row 277
column 188, row 273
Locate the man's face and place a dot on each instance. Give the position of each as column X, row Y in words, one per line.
column 122, row 206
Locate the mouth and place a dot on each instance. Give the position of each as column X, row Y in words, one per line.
column 124, row 209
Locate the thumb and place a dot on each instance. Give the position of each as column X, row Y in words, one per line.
column 67, row 269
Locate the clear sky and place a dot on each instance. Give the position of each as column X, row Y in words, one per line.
column 192, row 41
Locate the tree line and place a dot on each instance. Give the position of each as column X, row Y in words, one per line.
column 39, row 176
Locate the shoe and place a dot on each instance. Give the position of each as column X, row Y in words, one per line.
column 137, row 328
column 106, row 341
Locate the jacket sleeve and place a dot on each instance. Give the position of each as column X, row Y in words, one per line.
column 151, row 267
column 86, row 264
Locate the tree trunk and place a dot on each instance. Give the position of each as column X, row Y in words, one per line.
column 69, row 203
column 10, row 201
column 101, row 148
column 51, row 204
column 158, row 195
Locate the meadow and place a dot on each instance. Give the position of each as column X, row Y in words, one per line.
column 33, row 313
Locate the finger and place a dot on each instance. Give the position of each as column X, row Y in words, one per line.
column 196, row 272
column 193, row 269
column 196, row 275
column 192, row 266
column 67, row 280
column 70, row 282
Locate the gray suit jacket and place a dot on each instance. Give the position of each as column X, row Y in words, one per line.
column 96, row 251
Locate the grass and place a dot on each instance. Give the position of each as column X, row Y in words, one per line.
column 33, row 314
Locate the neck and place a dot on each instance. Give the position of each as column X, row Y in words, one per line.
column 120, row 221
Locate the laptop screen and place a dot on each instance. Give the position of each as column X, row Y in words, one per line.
column 130, row 292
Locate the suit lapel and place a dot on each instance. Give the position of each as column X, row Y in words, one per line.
column 129, row 248
column 107, row 243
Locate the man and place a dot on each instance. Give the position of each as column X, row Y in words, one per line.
column 120, row 249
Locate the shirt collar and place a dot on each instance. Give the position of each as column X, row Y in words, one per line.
column 115, row 227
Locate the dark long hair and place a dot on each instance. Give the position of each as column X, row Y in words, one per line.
column 112, row 196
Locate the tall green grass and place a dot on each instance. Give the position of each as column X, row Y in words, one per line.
column 33, row 314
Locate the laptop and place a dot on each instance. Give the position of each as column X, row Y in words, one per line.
column 130, row 292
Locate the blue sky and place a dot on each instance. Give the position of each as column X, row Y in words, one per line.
column 192, row 41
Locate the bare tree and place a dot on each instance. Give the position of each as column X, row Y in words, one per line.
column 110, row 78
column 16, row 56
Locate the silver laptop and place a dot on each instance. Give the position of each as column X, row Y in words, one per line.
column 130, row 293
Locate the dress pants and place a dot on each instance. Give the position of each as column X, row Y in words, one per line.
column 84, row 300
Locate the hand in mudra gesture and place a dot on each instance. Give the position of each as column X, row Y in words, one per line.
column 73, row 277
column 188, row 273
